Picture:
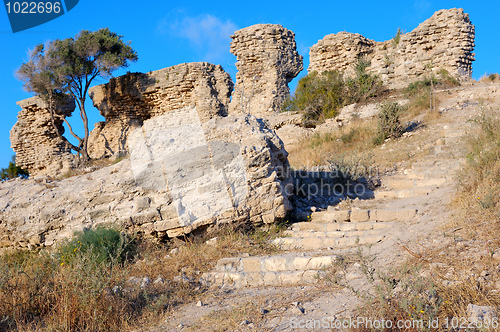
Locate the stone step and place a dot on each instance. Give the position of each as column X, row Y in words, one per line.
column 341, row 226
column 413, row 183
column 454, row 149
column 269, row 270
column 404, row 193
column 320, row 242
column 362, row 215
column 409, row 174
column 439, row 156
column 330, row 234
column 434, row 165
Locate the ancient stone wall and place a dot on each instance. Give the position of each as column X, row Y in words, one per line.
column 445, row 41
column 38, row 148
column 267, row 62
column 182, row 174
column 127, row 101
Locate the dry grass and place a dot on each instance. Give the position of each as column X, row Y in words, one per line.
column 46, row 291
column 318, row 149
column 440, row 282
column 491, row 78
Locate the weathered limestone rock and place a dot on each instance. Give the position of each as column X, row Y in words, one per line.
column 445, row 41
column 127, row 101
column 38, row 148
column 182, row 173
column 267, row 62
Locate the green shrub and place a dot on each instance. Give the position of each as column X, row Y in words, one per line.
column 320, row 96
column 493, row 77
column 397, row 38
column 103, row 244
column 13, row 171
column 363, row 85
column 389, row 120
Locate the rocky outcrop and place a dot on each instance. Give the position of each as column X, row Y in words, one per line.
column 267, row 62
column 444, row 42
column 127, row 101
column 33, row 138
column 182, row 174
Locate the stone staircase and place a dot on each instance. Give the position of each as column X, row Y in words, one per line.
column 424, row 176
column 338, row 229
column 286, row 269
column 309, row 245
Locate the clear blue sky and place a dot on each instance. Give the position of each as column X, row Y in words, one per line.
column 166, row 33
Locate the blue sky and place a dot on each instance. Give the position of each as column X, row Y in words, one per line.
column 166, row 33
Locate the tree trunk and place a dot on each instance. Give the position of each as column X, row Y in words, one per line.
column 85, row 154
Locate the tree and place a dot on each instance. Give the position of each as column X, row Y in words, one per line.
column 66, row 69
column 12, row 171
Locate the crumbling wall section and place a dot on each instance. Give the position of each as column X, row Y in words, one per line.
column 127, row 101
column 445, row 41
column 267, row 61
column 33, row 138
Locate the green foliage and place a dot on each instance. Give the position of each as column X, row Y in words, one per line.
column 13, row 171
column 420, row 86
column 67, row 68
column 397, row 38
column 389, row 119
column 320, row 96
column 363, row 85
column 101, row 244
column 493, row 77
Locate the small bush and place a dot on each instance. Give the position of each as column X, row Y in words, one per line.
column 103, row 245
column 389, row 121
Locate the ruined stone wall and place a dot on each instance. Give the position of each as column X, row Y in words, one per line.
column 38, row 148
column 267, row 62
column 444, row 41
column 127, row 101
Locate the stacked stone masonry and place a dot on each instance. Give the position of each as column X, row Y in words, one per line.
column 267, row 62
column 127, row 101
column 33, row 138
column 445, row 41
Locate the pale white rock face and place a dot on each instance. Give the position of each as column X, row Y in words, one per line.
column 206, row 179
column 445, row 41
column 129, row 100
column 182, row 174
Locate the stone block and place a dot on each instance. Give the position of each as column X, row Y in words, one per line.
column 164, row 225
column 312, row 243
column 339, row 216
column 275, row 264
column 254, row 279
column 270, row 278
column 252, row 264
column 359, row 215
column 232, row 264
